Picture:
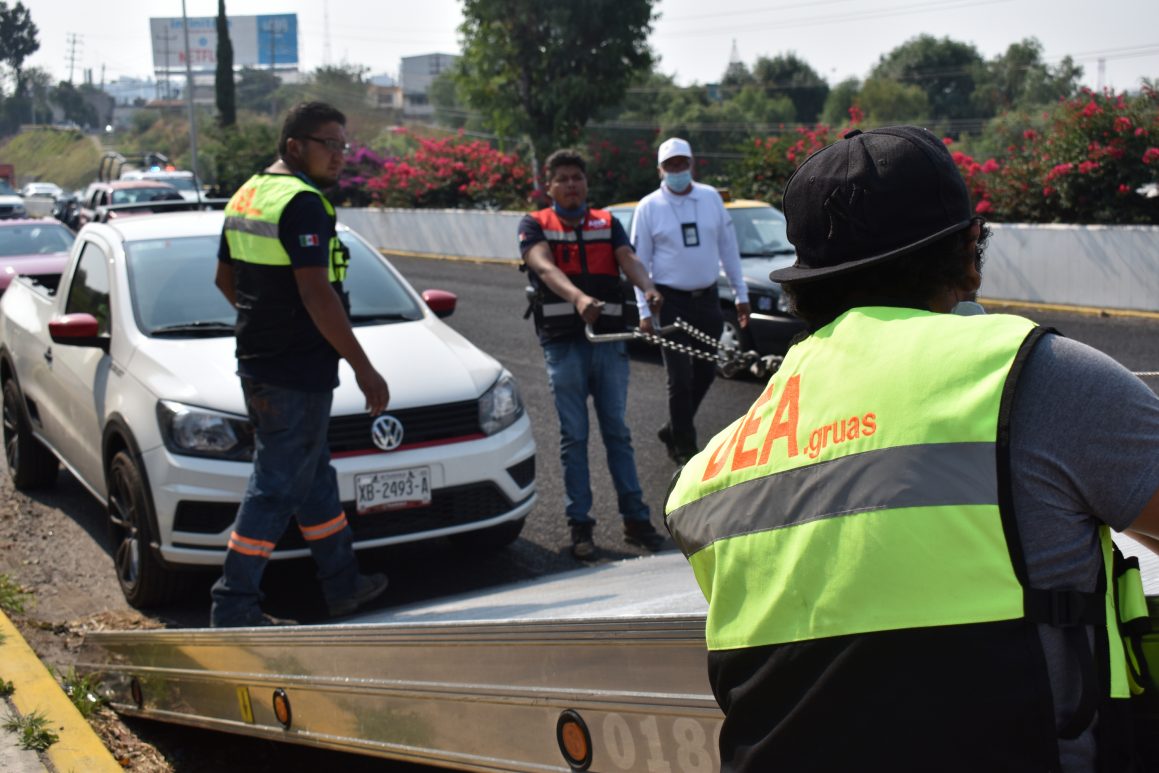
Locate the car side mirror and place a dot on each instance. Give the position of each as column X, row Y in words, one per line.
column 80, row 329
column 441, row 302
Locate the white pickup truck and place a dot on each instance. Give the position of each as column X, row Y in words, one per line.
column 124, row 371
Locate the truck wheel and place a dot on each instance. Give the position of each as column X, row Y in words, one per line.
column 491, row 538
column 144, row 580
column 30, row 464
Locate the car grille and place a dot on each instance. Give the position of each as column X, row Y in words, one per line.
column 452, row 506
column 351, row 434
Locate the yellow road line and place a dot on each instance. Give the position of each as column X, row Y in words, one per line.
column 1095, row 311
column 79, row 749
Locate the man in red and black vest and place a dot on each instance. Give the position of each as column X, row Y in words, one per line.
column 574, row 255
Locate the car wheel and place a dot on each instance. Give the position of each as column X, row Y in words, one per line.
column 733, row 336
column 144, row 580
column 30, row 464
column 491, row 538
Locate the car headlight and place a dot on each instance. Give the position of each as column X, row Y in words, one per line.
column 201, row 432
column 500, row 406
column 762, row 302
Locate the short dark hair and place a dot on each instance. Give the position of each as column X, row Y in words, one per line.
column 909, row 280
column 306, row 118
column 564, row 157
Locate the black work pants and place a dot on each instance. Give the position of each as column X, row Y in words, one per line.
column 689, row 377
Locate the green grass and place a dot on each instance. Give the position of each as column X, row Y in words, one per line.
column 6, row 688
column 67, row 158
column 33, row 730
column 82, row 691
column 13, row 598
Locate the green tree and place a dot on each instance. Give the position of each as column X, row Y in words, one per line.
column 887, row 101
column 255, row 88
column 542, row 70
column 233, row 153
column 18, row 39
column 791, row 76
column 841, row 97
column 945, row 70
column 72, row 103
column 1018, row 79
column 223, row 81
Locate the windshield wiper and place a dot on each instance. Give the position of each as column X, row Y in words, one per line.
column 385, row 316
column 198, row 328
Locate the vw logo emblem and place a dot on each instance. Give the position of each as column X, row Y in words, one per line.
column 386, row 432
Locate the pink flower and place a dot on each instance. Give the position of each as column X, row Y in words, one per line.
column 1047, row 191
column 1092, row 109
column 990, row 166
column 947, row 141
column 1151, row 154
column 983, row 207
column 1122, row 123
column 1140, row 132
column 1124, row 188
column 1086, row 167
column 1030, row 134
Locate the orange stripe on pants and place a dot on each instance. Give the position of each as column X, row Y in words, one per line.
column 250, row 547
column 324, row 530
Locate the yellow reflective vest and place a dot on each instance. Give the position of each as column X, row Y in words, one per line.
column 866, row 492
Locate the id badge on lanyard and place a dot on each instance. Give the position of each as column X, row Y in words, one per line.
column 691, row 234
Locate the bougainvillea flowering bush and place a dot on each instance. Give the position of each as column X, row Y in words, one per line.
column 1083, row 162
column 451, row 173
column 361, row 165
column 767, row 162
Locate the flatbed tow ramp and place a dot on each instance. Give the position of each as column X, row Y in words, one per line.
column 598, row 669
column 601, row 668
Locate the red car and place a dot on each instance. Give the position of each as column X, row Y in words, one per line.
column 33, row 248
column 102, row 194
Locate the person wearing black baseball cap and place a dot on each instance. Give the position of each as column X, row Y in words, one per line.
column 905, row 543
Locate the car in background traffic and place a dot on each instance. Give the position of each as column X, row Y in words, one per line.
column 36, row 248
column 125, row 372
column 184, row 181
column 764, row 247
column 11, row 202
column 101, row 198
column 41, row 190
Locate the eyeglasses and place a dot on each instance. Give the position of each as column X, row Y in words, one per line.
column 334, row 146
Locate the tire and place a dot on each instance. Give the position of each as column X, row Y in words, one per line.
column 30, row 464
column 144, row 580
column 489, row 539
column 733, row 335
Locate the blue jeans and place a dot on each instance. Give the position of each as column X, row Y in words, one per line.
column 292, row 477
column 577, row 368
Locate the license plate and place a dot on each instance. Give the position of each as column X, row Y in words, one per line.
column 395, row 490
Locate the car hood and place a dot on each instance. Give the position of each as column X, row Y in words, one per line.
column 424, row 363
column 8, row 200
column 757, row 270
column 12, row 266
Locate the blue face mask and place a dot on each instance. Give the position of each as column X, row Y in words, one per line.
column 570, row 214
column 678, row 182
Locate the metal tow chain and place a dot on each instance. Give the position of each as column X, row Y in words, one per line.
column 728, row 359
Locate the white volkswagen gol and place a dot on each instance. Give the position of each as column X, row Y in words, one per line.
column 126, row 374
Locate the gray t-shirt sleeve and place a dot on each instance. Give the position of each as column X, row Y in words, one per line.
column 1085, row 434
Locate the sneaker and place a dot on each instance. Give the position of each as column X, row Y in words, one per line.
column 367, row 588
column 643, row 534
column 582, row 546
column 263, row 620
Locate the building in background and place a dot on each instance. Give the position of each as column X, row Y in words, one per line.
column 416, row 74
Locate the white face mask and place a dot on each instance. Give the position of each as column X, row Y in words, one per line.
column 678, row 182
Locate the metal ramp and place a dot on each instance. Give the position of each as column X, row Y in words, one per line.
column 601, row 669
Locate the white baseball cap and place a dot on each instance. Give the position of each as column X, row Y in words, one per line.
column 673, row 147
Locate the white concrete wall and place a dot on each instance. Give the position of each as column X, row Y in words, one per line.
column 1114, row 267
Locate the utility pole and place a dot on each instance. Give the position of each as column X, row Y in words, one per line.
column 73, row 42
column 326, row 33
column 189, row 89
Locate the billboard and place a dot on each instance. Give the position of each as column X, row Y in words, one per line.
column 258, row 41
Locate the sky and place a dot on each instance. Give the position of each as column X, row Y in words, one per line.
column 694, row 39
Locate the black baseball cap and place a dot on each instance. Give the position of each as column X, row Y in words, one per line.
column 870, row 197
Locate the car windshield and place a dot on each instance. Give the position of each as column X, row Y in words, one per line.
column 760, row 232
column 172, row 285
column 181, row 183
column 6, row 189
column 139, row 195
column 35, row 239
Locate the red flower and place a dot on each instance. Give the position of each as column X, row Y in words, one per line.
column 990, row 166
column 1047, row 191
column 983, row 207
column 1030, row 134
column 1124, row 188
column 947, row 141
column 1086, row 167
column 1151, row 154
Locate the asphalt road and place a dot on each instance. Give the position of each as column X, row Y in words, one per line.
column 489, row 313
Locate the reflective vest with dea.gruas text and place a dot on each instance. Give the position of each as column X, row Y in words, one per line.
column 855, row 528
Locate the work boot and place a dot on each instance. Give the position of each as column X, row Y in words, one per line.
column 260, row 620
column 367, row 588
column 582, row 546
column 643, row 534
column 677, row 452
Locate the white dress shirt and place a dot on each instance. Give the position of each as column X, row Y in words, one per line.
column 658, row 239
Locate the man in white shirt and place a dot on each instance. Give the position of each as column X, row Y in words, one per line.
column 684, row 236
